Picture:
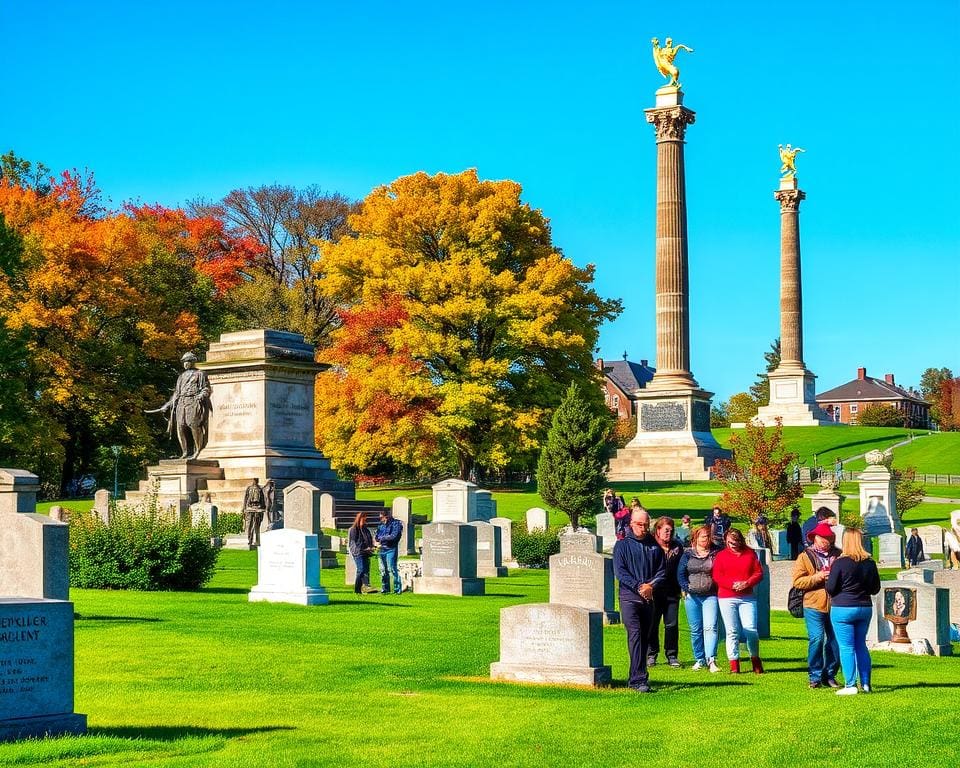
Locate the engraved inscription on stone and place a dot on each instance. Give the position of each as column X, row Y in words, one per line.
column 663, row 417
column 290, row 415
column 701, row 416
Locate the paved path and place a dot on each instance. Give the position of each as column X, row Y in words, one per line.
column 895, row 445
column 941, row 500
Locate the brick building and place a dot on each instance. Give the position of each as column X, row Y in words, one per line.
column 621, row 378
column 843, row 403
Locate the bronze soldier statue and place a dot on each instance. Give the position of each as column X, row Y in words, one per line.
column 254, row 504
column 189, row 408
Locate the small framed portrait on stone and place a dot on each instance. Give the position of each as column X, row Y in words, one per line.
column 899, row 603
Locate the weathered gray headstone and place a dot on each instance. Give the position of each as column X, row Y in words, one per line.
column 551, row 644
column 409, row 570
column 579, row 541
column 932, row 537
column 606, row 531
column 584, row 578
column 101, row 505
column 781, row 548
column 489, row 552
column 537, row 519
column 449, row 561
column 403, row 510
column 203, row 513
column 288, row 569
column 891, row 551
column 455, row 500
column 505, row 524
column 933, row 617
column 301, row 507
column 781, row 580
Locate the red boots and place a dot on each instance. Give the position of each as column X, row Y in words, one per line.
column 735, row 666
column 757, row 665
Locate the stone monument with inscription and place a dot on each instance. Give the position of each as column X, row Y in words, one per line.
column 932, row 623
column 581, row 576
column 551, row 644
column 792, row 384
column 673, row 412
column 457, row 501
column 288, row 569
column 878, row 495
column 489, row 550
column 36, row 617
column 449, row 561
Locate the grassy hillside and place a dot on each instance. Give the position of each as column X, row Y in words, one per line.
column 826, row 443
column 936, row 453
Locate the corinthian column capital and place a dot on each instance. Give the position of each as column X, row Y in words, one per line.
column 670, row 123
column 789, row 199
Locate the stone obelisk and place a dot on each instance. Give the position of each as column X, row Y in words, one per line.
column 673, row 413
column 792, row 395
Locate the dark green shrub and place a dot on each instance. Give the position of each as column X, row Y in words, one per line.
column 533, row 549
column 139, row 551
column 228, row 523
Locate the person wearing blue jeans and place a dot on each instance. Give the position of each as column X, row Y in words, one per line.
column 740, row 620
column 388, row 537
column 852, row 583
column 695, row 574
column 810, row 572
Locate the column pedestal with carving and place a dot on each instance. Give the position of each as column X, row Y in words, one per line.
column 792, row 393
column 673, row 418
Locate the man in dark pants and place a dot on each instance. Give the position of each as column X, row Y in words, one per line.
column 666, row 597
column 639, row 566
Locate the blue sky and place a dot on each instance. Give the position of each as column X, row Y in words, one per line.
column 169, row 101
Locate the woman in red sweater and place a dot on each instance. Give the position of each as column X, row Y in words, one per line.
column 736, row 570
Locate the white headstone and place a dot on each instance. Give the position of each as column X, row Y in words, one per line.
column 288, row 569
column 454, row 500
column 101, row 505
column 878, row 501
column 932, row 536
column 607, row 530
column 781, row 580
column 203, row 513
column 781, row 547
column 891, row 550
column 301, row 507
column 505, row 524
column 489, row 551
column 328, row 511
column 537, row 519
column 551, row 644
column 403, row 510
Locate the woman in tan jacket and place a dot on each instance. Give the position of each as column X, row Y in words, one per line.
column 810, row 572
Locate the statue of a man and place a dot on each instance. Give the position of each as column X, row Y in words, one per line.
column 189, row 408
column 663, row 58
column 274, row 518
column 254, row 504
column 788, row 160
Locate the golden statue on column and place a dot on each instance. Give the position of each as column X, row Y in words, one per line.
column 663, row 57
column 788, row 160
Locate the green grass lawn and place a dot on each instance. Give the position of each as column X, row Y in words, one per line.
column 207, row 679
column 829, row 442
column 935, row 453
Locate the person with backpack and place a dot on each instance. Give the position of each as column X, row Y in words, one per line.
column 810, row 572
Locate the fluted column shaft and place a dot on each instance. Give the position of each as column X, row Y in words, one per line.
column 672, row 276
column 791, row 292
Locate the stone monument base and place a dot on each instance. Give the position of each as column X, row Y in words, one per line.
column 448, row 585
column 38, row 727
column 491, row 572
column 673, row 438
column 792, row 400
column 523, row 673
column 177, row 483
column 305, row 596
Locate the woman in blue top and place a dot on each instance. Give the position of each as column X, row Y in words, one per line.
column 852, row 582
column 700, row 597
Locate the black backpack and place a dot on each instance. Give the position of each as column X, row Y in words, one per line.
column 795, row 595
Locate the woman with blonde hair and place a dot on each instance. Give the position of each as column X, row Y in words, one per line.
column 852, row 582
column 360, row 545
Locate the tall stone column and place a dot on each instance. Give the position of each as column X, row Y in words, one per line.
column 670, row 120
column 791, row 291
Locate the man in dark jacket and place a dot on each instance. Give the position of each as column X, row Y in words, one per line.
column 720, row 522
column 914, row 548
column 388, row 537
column 795, row 534
column 639, row 567
column 666, row 597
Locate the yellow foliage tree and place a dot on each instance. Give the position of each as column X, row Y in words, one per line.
column 464, row 329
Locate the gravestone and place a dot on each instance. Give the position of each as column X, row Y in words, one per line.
column 932, row 537
column 551, row 644
column 578, row 541
column 606, row 531
column 408, row 570
column 301, row 507
column 403, row 511
column 584, row 578
column 923, row 575
column 36, row 618
column 762, row 592
column 203, row 513
column 838, row 530
column 537, row 519
column 932, row 623
column 59, row 514
column 781, row 547
column 950, row 580
column 489, row 552
column 828, row 498
column 505, row 525
column 890, row 551
column 455, row 500
column 328, row 511
column 486, row 506
column 781, row 580
column 101, row 505
column 449, row 561
column 878, row 497
column 288, row 569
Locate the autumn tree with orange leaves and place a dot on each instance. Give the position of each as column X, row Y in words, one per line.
column 464, row 326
